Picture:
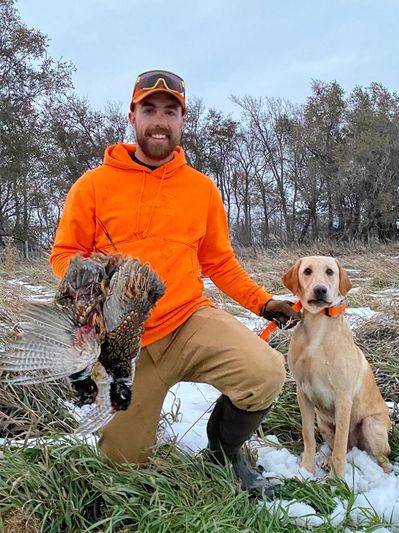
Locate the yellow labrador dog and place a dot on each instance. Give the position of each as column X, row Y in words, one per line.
column 334, row 379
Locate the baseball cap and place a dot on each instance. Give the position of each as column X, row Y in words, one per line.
column 153, row 81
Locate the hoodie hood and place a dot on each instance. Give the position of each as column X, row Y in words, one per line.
column 119, row 156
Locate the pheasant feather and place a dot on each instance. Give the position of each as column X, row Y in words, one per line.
column 91, row 334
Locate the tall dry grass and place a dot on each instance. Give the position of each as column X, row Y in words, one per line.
column 27, row 412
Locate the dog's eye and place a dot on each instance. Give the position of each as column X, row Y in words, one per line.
column 329, row 272
column 307, row 271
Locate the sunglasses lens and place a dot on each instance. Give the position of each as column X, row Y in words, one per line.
column 150, row 80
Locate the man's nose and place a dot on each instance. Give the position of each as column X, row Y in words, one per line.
column 161, row 119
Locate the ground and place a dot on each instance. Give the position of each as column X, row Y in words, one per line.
column 179, row 491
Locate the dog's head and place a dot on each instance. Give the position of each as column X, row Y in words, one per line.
column 318, row 281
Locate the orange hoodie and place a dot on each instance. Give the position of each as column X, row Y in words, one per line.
column 172, row 217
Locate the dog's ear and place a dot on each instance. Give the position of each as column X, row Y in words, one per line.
column 290, row 278
column 345, row 283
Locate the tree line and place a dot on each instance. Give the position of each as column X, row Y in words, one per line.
column 287, row 173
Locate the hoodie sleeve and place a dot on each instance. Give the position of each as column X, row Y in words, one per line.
column 76, row 229
column 218, row 261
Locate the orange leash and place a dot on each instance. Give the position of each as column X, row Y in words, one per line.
column 273, row 325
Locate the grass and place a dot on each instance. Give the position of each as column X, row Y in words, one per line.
column 31, row 412
column 68, row 488
column 65, row 487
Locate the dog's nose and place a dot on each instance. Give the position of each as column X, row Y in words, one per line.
column 320, row 291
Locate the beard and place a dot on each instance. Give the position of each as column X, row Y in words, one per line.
column 153, row 149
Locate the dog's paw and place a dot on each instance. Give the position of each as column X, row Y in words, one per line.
column 326, row 462
column 337, row 467
column 309, row 463
column 385, row 464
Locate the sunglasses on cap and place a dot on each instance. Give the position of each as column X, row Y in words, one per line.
column 159, row 80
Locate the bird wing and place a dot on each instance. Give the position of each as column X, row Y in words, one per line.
column 49, row 346
column 100, row 412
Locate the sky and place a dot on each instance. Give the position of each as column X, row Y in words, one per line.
column 262, row 48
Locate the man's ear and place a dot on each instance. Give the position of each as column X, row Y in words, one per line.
column 131, row 118
column 345, row 283
column 290, row 278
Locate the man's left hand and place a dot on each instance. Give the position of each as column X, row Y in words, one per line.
column 281, row 312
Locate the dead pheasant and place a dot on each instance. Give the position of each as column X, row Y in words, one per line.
column 90, row 334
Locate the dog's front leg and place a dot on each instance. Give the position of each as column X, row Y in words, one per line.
column 343, row 410
column 309, row 441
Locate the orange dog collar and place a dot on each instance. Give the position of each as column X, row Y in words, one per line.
column 335, row 310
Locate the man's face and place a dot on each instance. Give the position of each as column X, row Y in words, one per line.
column 158, row 121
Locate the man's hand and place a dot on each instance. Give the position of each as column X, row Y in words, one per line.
column 281, row 312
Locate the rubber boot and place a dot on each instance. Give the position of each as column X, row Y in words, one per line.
column 228, row 428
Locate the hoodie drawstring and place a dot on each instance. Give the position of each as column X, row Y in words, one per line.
column 153, row 205
column 139, row 204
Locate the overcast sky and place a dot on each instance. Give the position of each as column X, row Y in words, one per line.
column 221, row 47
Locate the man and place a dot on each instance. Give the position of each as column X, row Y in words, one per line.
column 146, row 202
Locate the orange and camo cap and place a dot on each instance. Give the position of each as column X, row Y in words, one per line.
column 153, row 81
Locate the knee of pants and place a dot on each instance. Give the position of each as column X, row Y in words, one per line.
column 262, row 382
column 112, row 454
column 130, row 437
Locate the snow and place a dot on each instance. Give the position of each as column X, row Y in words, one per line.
column 186, row 411
column 300, row 513
column 39, row 293
column 375, row 491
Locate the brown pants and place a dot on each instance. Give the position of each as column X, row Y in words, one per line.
column 210, row 347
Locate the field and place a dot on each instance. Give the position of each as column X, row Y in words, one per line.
column 62, row 486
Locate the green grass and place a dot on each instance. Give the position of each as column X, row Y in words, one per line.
column 67, row 488
column 70, row 489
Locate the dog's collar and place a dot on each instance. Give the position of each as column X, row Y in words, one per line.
column 335, row 310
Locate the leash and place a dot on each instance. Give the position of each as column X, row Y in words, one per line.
column 273, row 324
column 328, row 311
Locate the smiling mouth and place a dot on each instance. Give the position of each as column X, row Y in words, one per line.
column 158, row 136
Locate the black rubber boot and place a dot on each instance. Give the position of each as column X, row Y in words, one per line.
column 228, row 428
